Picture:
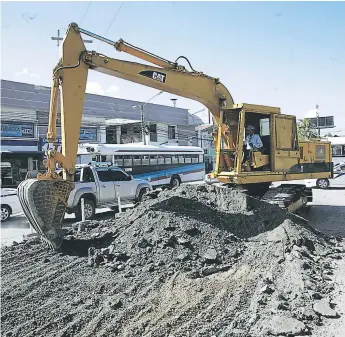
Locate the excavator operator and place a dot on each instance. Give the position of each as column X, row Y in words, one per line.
column 253, row 140
column 253, row 143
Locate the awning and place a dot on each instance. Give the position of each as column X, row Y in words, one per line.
column 29, row 153
column 121, row 121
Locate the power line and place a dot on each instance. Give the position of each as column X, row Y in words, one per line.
column 87, row 9
column 112, row 21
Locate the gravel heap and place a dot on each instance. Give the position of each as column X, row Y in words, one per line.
column 192, row 261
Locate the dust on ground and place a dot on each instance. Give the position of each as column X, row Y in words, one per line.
column 194, row 261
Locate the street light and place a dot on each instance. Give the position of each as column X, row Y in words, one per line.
column 142, row 117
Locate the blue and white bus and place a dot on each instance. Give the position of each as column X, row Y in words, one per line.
column 161, row 165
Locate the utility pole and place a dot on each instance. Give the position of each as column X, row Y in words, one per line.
column 143, row 124
column 317, row 120
column 142, row 116
column 58, row 38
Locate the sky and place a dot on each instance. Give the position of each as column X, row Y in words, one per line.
column 285, row 54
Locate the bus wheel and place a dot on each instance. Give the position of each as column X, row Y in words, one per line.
column 175, row 181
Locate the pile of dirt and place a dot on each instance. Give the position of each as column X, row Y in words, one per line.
column 193, row 261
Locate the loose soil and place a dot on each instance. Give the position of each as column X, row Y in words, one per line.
column 193, row 261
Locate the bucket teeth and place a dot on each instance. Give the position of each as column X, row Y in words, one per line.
column 44, row 204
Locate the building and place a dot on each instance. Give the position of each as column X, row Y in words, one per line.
column 205, row 141
column 24, row 123
column 338, row 149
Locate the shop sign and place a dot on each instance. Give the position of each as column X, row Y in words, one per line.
column 88, row 134
column 17, row 130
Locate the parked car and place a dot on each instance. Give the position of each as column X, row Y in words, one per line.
column 338, row 179
column 10, row 204
column 100, row 187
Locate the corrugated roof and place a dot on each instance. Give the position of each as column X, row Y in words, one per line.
column 33, row 97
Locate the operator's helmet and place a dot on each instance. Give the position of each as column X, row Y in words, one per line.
column 250, row 127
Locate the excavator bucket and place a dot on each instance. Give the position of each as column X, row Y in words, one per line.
column 44, row 204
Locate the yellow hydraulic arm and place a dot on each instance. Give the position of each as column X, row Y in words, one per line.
column 71, row 76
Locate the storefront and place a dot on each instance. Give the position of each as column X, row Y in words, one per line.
column 15, row 165
column 87, row 135
column 17, row 136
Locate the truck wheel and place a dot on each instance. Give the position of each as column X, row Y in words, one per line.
column 322, row 183
column 89, row 210
column 5, row 212
column 175, row 181
column 142, row 192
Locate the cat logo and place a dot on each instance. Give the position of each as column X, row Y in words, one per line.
column 155, row 75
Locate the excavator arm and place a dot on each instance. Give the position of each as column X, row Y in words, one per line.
column 69, row 79
column 71, row 75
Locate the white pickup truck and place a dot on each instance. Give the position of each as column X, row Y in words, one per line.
column 100, row 187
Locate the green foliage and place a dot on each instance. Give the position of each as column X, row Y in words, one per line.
column 304, row 130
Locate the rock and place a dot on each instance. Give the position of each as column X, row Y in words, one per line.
column 316, row 296
column 277, row 235
column 190, row 230
column 280, row 260
column 210, row 255
column 183, row 257
column 267, row 289
column 209, row 270
column 169, row 226
column 284, row 325
column 306, row 265
column 94, row 257
column 230, row 238
column 183, row 242
column 143, row 243
column 148, row 229
column 105, row 251
column 323, row 308
column 116, row 304
column 45, row 260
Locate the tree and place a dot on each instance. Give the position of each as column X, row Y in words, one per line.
column 304, row 130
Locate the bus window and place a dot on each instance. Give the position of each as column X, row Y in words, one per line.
column 160, row 160
column 136, row 161
column 106, row 158
column 181, row 159
column 145, row 160
column 118, row 161
column 188, row 158
column 201, row 158
column 174, row 160
column 128, row 162
column 153, row 160
column 167, row 159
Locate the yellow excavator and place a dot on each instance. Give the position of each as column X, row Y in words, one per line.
column 281, row 158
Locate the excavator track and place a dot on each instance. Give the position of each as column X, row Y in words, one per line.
column 44, row 204
column 291, row 197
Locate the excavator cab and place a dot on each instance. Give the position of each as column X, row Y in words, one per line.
column 282, row 156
